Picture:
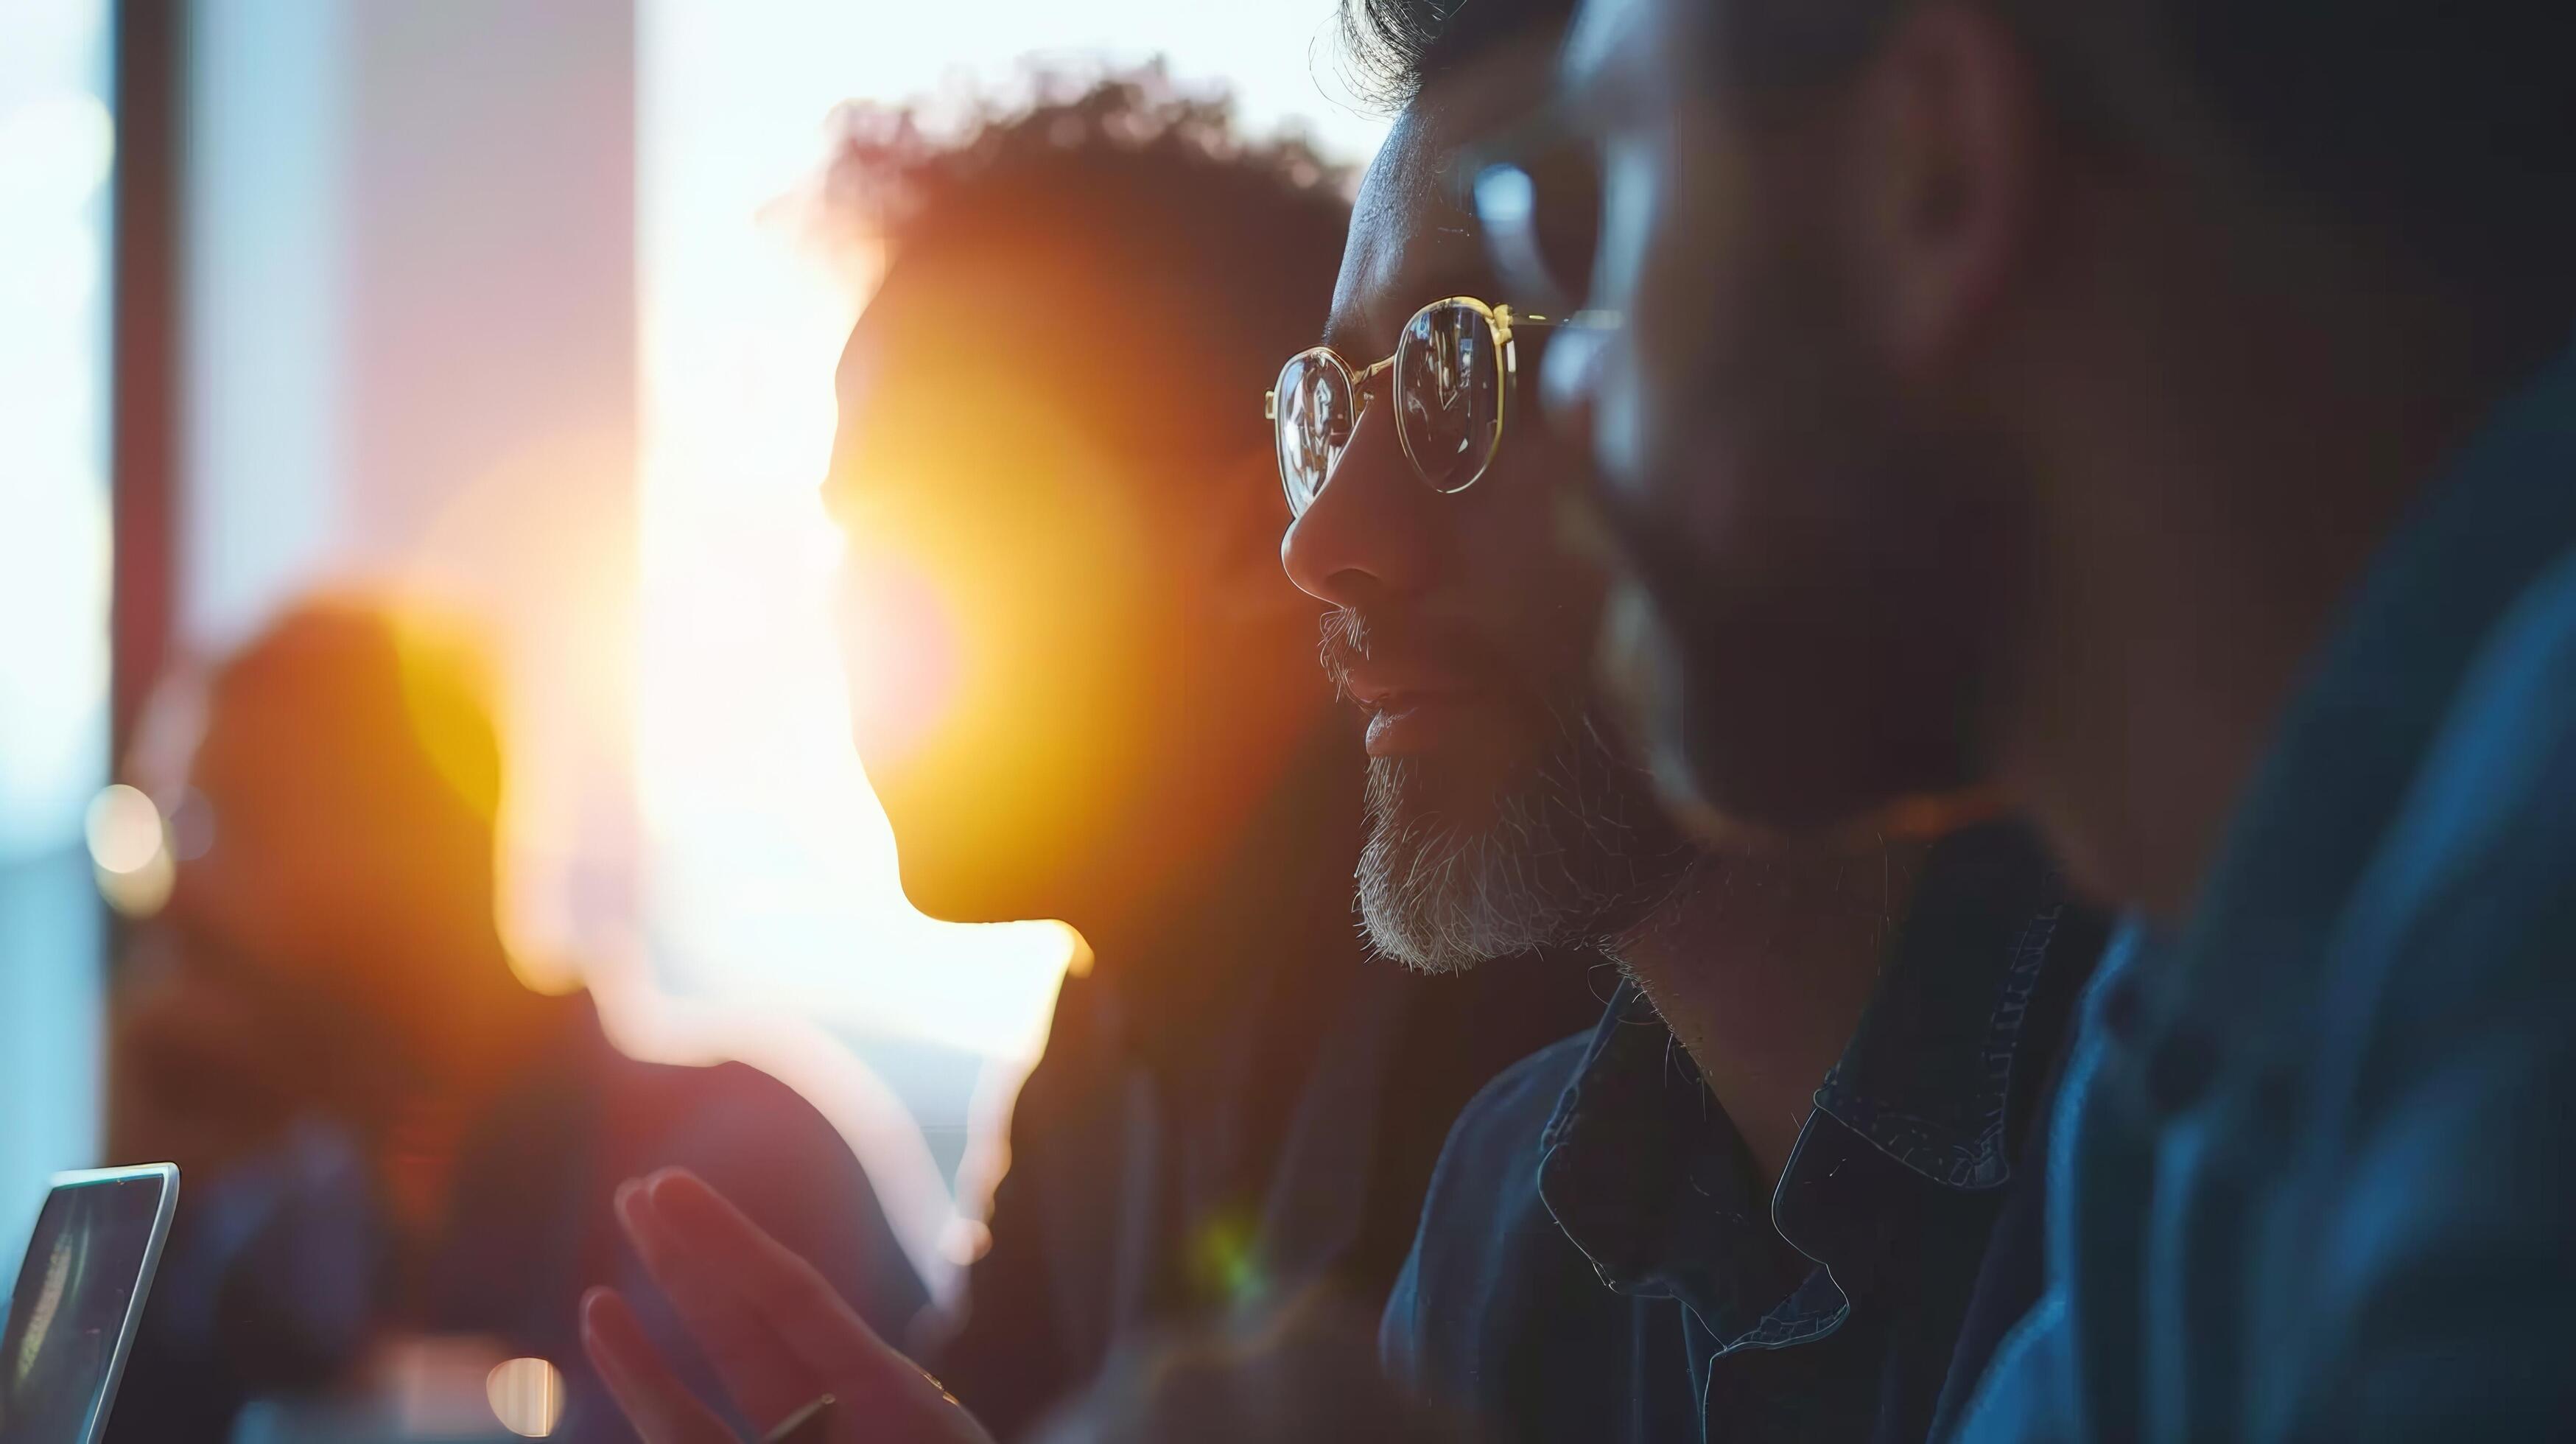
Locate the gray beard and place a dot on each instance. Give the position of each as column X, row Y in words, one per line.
column 1574, row 855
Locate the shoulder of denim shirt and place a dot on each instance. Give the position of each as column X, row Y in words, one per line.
column 1476, row 1212
column 2440, row 1103
column 2379, row 988
column 1498, row 1313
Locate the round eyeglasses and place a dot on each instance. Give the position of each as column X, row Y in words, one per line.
column 1452, row 375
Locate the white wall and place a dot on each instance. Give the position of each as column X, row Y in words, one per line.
column 411, row 360
column 412, row 364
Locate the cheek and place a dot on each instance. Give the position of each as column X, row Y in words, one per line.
column 1525, row 575
column 997, row 661
column 1762, row 423
column 902, row 655
column 1678, row 251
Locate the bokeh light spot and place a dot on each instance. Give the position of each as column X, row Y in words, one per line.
column 1225, row 1260
column 526, row 1395
column 124, row 830
column 131, row 850
column 142, row 892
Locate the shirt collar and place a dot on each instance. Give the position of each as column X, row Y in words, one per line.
column 1930, row 1067
column 1651, row 1181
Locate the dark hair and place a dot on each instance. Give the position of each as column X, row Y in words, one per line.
column 1095, row 145
column 1149, row 187
column 1392, row 49
column 403, row 694
column 2449, row 132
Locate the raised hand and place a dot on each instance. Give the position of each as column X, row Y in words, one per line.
column 777, row 1333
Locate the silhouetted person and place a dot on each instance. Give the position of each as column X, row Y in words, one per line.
column 381, row 1131
column 1082, row 692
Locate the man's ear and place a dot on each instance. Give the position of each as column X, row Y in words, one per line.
column 1946, row 150
column 1239, row 565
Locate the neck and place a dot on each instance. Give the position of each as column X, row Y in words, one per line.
column 1761, row 965
column 2213, row 489
column 1289, row 832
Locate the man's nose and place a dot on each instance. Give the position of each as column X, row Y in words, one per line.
column 1363, row 537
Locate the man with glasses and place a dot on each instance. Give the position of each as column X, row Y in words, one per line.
column 1081, row 692
column 1784, row 1145
column 1750, row 1203
column 2184, row 389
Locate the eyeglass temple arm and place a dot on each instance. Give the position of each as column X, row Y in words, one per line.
column 1593, row 319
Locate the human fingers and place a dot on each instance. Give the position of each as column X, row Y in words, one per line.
column 647, row 1392
column 790, row 1295
column 760, row 1371
column 884, row 1397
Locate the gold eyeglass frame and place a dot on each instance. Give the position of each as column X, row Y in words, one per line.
column 1500, row 320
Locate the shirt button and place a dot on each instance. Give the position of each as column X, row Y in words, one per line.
column 2180, row 1068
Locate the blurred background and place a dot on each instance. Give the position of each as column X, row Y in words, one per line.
column 517, row 308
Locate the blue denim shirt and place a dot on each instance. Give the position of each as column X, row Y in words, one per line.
column 1826, row 1311
column 2312, row 1167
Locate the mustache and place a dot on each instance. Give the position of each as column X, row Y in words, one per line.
column 1583, row 724
column 1345, row 643
column 1352, row 636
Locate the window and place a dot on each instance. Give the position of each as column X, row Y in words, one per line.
column 57, row 154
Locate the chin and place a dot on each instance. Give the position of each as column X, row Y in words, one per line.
column 1796, row 668
column 1448, row 789
column 1487, row 754
column 1791, row 716
column 1756, row 778
column 951, row 892
column 945, row 873
column 1464, row 864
